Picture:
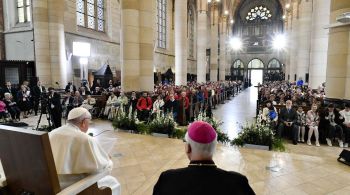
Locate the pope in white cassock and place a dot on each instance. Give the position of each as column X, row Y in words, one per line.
column 77, row 154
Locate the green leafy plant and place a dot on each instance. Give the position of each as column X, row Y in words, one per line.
column 124, row 120
column 162, row 123
column 142, row 128
column 258, row 134
column 222, row 137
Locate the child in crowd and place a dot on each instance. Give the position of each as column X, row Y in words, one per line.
column 301, row 122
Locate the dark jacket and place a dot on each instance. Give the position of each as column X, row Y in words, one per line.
column 67, row 89
column 202, row 180
column 290, row 116
column 36, row 91
column 171, row 106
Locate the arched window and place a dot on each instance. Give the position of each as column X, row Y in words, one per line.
column 161, row 23
column 256, row 63
column 238, row 64
column 191, row 32
column 90, row 14
column 259, row 12
column 274, row 63
column 23, row 11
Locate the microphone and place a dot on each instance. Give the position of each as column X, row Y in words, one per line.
column 91, row 134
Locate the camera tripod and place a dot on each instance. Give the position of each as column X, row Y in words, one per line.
column 44, row 110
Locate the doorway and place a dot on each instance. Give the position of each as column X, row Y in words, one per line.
column 256, row 77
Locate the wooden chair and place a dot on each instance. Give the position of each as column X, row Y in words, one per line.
column 29, row 166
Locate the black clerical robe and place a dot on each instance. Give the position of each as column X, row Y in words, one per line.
column 201, row 178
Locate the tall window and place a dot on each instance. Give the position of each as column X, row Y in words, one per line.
column 23, row 11
column 90, row 14
column 191, row 33
column 161, row 23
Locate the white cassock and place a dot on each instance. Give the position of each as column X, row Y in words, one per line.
column 77, row 155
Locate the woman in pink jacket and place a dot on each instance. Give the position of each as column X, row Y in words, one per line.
column 2, row 109
column 312, row 120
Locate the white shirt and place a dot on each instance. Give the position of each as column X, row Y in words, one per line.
column 346, row 116
column 77, row 154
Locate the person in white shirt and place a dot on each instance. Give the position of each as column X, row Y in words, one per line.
column 77, row 154
column 158, row 105
column 346, row 124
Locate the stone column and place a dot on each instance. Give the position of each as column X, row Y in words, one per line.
column 223, row 40
column 338, row 66
column 41, row 41
column 214, row 38
column 2, row 36
column 319, row 42
column 57, row 42
column 137, row 45
column 180, row 42
column 201, row 40
column 294, row 42
column 304, row 32
column 146, row 36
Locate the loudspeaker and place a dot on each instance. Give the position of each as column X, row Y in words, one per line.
column 344, row 157
column 307, row 78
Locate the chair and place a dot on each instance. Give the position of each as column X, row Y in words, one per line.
column 29, row 166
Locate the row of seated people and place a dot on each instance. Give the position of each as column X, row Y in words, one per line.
column 331, row 123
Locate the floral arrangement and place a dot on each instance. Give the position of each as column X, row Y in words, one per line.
column 124, row 120
column 222, row 137
column 258, row 134
column 162, row 123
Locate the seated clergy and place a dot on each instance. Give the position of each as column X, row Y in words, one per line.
column 201, row 176
column 77, row 154
column 288, row 117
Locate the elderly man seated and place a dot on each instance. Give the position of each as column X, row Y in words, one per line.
column 288, row 118
column 201, row 176
column 89, row 103
column 77, row 154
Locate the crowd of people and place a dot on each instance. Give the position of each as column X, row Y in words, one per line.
column 300, row 112
column 21, row 102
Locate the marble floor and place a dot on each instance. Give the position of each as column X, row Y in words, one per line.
column 139, row 159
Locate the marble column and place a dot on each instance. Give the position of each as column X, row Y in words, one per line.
column 319, row 42
column 201, row 40
column 293, row 42
column 2, row 36
column 41, row 41
column 57, row 42
column 338, row 62
column 180, row 42
column 137, row 45
column 223, row 40
column 304, row 38
column 214, row 40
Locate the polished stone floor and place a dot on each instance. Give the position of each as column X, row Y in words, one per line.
column 139, row 159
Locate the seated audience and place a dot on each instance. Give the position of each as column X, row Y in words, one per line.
column 89, row 103
column 70, row 87
column 12, row 107
column 3, row 110
column 201, row 176
column 111, row 101
column 23, row 97
column 67, row 103
column 312, row 121
column 334, row 130
column 269, row 114
column 133, row 102
column 346, row 124
column 288, row 117
column 77, row 99
column 144, row 105
column 122, row 100
column 301, row 122
column 77, row 154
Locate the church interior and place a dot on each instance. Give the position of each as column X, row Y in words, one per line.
column 123, row 84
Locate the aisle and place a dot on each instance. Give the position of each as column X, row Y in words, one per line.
column 237, row 111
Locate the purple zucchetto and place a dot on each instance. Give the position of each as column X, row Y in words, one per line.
column 201, row 132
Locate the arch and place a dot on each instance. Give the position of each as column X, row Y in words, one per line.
column 274, row 64
column 238, row 64
column 256, row 64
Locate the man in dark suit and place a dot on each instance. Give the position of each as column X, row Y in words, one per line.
column 37, row 91
column 55, row 108
column 70, row 87
column 9, row 89
column 288, row 117
column 201, row 176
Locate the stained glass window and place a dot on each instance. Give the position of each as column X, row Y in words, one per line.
column 259, row 12
column 90, row 14
column 161, row 23
column 191, row 33
column 23, row 11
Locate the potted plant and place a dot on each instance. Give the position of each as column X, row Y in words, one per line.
column 258, row 136
column 125, row 121
column 222, row 137
column 162, row 125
